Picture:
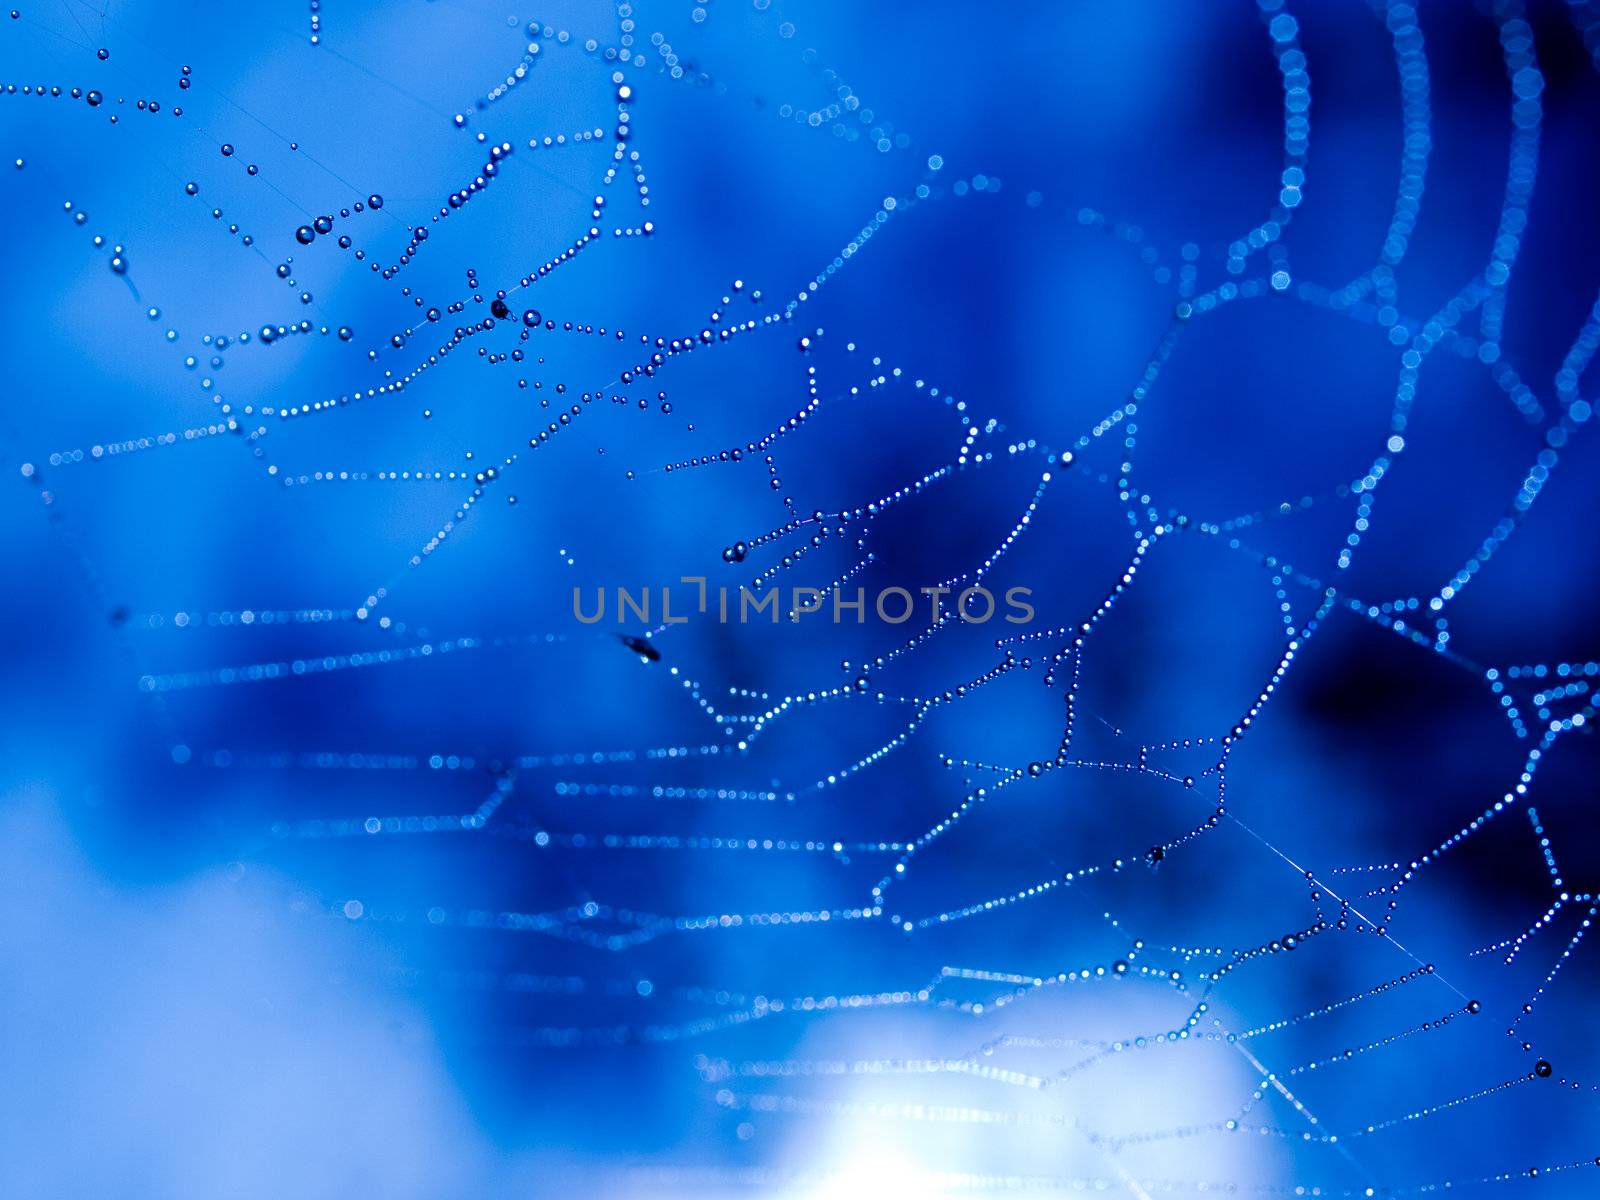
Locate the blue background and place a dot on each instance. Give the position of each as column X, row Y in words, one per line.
column 217, row 982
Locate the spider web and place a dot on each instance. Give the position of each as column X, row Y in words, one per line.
column 1240, row 868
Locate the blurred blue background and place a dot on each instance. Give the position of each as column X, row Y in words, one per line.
column 280, row 922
